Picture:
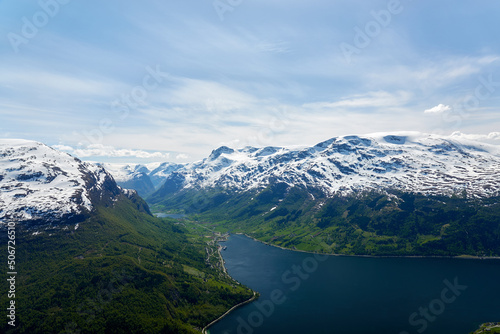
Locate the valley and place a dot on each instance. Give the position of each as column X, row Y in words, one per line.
column 91, row 258
column 250, row 167
column 388, row 195
column 95, row 259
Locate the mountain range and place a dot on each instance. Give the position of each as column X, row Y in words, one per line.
column 382, row 194
column 408, row 162
column 94, row 258
column 144, row 178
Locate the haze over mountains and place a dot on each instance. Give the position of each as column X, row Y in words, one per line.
column 145, row 178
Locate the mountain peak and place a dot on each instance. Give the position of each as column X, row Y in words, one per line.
column 404, row 161
column 39, row 183
column 221, row 150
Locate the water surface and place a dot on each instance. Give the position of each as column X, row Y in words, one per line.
column 304, row 293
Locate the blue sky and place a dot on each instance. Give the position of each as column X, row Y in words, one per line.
column 171, row 80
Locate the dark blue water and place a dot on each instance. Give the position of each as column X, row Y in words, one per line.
column 304, row 293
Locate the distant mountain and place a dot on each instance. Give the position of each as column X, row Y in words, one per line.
column 408, row 162
column 144, row 178
column 88, row 256
column 383, row 189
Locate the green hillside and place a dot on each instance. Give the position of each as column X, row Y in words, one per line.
column 365, row 224
column 121, row 271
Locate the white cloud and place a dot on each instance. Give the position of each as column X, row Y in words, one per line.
column 63, row 148
column 182, row 156
column 491, row 138
column 99, row 150
column 55, row 84
column 370, row 99
column 439, row 109
column 427, row 75
column 274, row 47
column 226, row 82
column 203, row 95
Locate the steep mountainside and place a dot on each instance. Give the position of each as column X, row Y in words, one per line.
column 90, row 257
column 40, row 184
column 382, row 194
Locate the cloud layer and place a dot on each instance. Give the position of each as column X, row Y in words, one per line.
column 167, row 80
column 99, row 150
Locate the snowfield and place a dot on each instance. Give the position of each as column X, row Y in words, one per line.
column 406, row 161
column 40, row 183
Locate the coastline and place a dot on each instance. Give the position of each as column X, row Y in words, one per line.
column 205, row 329
column 222, row 262
column 462, row 257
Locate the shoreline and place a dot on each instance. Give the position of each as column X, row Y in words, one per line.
column 222, row 263
column 206, row 328
column 459, row 257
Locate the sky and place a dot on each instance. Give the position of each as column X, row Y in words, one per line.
column 171, row 80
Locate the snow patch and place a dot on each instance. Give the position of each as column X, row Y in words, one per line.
column 406, row 161
column 39, row 182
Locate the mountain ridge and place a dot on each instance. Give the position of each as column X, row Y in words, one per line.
column 388, row 194
column 144, row 178
column 90, row 257
column 42, row 184
column 407, row 161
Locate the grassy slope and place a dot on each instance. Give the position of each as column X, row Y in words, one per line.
column 121, row 271
column 368, row 224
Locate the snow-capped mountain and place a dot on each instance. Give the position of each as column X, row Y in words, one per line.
column 145, row 178
column 40, row 184
column 409, row 162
